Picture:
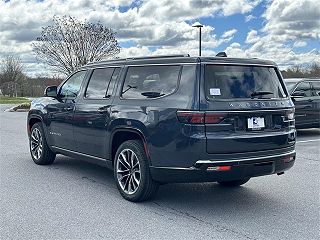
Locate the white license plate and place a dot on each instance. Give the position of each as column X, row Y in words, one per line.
column 256, row 123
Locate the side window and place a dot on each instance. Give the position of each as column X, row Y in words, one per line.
column 304, row 88
column 70, row 89
column 113, row 80
column 98, row 83
column 316, row 88
column 150, row 81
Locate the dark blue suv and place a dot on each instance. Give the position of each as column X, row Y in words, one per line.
column 164, row 119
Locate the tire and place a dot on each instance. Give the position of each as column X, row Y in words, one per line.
column 235, row 183
column 40, row 152
column 133, row 177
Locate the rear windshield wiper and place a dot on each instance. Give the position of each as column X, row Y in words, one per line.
column 260, row 93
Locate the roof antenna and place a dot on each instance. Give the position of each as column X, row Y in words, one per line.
column 221, row 54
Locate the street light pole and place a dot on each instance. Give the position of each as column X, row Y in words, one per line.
column 198, row 25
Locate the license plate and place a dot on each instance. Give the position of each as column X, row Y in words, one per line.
column 256, row 123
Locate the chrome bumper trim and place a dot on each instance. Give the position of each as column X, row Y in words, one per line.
column 244, row 159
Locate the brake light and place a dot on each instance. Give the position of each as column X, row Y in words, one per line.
column 190, row 117
column 199, row 117
column 214, row 117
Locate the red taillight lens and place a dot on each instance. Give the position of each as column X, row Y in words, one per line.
column 214, row 117
column 190, row 117
column 199, row 117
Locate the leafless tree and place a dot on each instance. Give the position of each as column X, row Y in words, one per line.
column 11, row 75
column 70, row 43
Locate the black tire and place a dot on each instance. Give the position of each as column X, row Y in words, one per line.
column 136, row 169
column 44, row 156
column 235, row 183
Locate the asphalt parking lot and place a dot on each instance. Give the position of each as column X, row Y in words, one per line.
column 77, row 200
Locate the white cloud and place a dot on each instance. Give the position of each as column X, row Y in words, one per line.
column 299, row 44
column 249, row 18
column 252, row 37
column 288, row 24
column 291, row 20
column 229, row 33
column 165, row 26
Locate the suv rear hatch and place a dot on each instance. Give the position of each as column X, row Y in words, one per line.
column 246, row 109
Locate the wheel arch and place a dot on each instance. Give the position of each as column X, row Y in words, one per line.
column 32, row 119
column 121, row 135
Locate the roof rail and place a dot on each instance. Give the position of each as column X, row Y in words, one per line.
column 141, row 58
column 159, row 56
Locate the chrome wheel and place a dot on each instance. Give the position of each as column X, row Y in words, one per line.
column 128, row 171
column 36, row 143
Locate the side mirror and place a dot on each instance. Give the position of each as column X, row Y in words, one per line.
column 51, row 91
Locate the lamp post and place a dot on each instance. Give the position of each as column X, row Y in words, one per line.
column 198, row 25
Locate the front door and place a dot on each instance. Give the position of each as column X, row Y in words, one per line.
column 92, row 113
column 61, row 112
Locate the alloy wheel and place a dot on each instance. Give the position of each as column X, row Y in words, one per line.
column 36, row 143
column 128, row 171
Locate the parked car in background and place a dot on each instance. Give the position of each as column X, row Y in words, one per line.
column 169, row 119
column 305, row 94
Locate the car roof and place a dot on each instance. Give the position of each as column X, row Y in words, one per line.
column 172, row 59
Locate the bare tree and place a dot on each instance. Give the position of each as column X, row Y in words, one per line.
column 11, row 75
column 70, row 43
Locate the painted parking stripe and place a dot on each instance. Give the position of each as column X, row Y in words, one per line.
column 313, row 140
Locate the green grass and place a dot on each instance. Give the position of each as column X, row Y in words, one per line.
column 13, row 100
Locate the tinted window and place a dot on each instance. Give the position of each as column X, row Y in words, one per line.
column 99, row 82
column 228, row 82
column 150, row 81
column 113, row 81
column 290, row 85
column 316, row 88
column 70, row 89
column 304, row 88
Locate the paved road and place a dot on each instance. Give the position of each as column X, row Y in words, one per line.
column 77, row 200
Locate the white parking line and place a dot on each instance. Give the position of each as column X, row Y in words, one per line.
column 313, row 140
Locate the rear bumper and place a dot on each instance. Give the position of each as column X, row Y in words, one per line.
column 240, row 168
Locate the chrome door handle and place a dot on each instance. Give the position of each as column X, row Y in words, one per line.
column 102, row 110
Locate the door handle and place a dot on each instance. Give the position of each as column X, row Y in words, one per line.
column 102, row 110
column 310, row 100
column 68, row 108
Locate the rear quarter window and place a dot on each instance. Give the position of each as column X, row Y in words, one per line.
column 143, row 82
column 230, row 82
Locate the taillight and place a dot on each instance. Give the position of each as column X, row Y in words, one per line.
column 214, row 117
column 199, row 117
column 190, row 117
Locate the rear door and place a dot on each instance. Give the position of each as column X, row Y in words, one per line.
column 92, row 112
column 316, row 102
column 304, row 104
column 246, row 109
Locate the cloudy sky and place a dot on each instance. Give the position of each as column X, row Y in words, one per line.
column 285, row 31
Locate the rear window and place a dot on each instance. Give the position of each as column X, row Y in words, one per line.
column 229, row 82
column 150, row 81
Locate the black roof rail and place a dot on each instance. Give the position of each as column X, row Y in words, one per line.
column 159, row 56
column 139, row 58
